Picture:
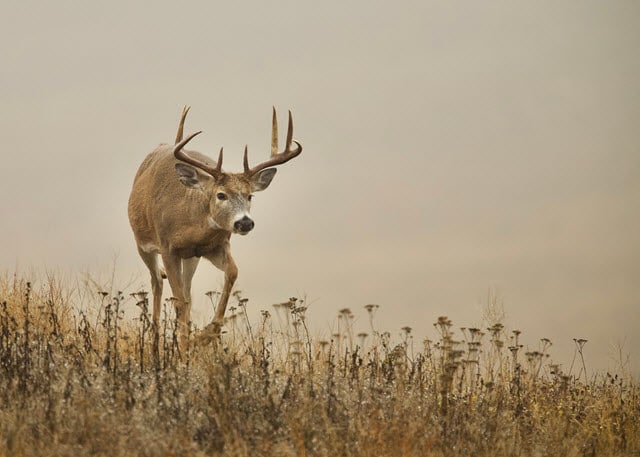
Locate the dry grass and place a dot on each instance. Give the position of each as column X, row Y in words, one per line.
column 77, row 384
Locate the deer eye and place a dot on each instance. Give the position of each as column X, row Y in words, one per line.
column 221, row 196
column 249, row 197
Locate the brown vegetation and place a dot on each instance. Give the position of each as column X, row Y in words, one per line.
column 74, row 384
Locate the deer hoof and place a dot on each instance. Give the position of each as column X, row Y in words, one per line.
column 210, row 333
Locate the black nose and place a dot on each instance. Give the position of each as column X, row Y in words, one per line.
column 243, row 225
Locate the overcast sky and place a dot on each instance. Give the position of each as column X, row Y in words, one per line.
column 449, row 148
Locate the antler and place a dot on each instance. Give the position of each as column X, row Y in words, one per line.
column 185, row 110
column 181, row 155
column 277, row 158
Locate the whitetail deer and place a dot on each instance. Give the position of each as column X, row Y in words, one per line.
column 183, row 207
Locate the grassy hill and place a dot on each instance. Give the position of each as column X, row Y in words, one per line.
column 74, row 383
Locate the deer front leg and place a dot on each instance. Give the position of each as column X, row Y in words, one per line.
column 173, row 267
column 151, row 260
column 223, row 261
column 230, row 275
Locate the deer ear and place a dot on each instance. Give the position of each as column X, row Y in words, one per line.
column 190, row 177
column 261, row 180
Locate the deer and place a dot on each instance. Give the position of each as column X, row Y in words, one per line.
column 183, row 207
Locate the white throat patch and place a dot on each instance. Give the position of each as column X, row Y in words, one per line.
column 213, row 224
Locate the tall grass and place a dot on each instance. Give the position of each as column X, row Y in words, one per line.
column 74, row 382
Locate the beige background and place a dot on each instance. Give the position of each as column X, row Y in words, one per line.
column 450, row 148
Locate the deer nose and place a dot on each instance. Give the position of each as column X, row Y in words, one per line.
column 243, row 225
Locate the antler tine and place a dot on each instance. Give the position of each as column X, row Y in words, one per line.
column 277, row 158
column 274, row 133
column 181, row 155
column 289, row 132
column 219, row 163
column 177, row 150
column 246, row 159
column 185, row 110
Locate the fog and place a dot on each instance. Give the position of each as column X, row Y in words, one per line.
column 451, row 150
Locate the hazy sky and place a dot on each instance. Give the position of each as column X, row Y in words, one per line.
column 449, row 148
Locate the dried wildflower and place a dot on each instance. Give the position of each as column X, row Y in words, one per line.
column 555, row 369
column 237, row 294
column 495, row 329
column 298, row 310
column 580, row 342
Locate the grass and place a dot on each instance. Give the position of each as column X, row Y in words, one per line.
column 74, row 383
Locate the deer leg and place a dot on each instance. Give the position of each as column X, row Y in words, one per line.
column 173, row 266
column 224, row 262
column 151, row 261
column 188, row 270
column 230, row 275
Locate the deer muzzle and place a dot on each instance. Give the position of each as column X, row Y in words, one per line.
column 243, row 226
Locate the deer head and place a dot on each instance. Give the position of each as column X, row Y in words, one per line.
column 230, row 194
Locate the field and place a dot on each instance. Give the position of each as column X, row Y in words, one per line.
column 78, row 378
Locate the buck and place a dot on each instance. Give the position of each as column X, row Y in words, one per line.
column 183, row 206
